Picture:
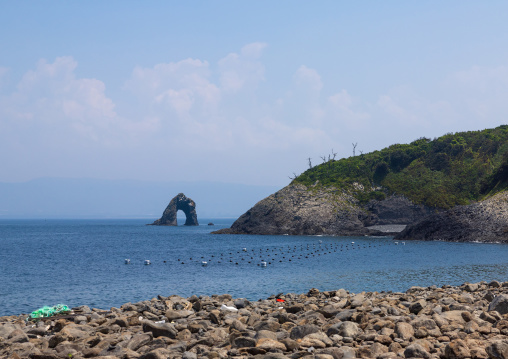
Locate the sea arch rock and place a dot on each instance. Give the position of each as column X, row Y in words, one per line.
column 179, row 202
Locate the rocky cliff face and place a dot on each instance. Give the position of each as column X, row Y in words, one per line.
column 394, row 210
column 298, row 210
column 179, row 202
column 485, row 221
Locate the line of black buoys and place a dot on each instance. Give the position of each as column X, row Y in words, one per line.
column 316, row 250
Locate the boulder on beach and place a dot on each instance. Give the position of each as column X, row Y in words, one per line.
column 422, row 322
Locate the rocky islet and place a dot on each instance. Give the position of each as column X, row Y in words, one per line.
column 456, row 322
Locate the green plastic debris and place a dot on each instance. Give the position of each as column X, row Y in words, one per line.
column 47, row 311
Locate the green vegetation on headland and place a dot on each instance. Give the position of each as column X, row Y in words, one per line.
column 454, row 169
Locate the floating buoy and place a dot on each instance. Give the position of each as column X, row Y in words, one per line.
column 147, row 262
column 127, row 261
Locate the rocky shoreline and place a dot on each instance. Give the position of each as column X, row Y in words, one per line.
column 456, row 322
column 483, row 222
column 300, row 210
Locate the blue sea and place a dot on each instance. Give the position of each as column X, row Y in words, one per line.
column 77, row 262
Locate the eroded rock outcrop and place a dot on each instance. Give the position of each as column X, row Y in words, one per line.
column 299, row 210
column 485, row 221
column 395, row 210
column 296, row 210
column 179, row 202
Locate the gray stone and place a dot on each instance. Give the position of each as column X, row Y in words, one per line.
column 7, row 328
column 173, row 315
column 417, row 306
column 160, row 329
column 138, row 340
column 270, row 344
column 498, row 349
column 345, row 315
column 159, row 353
column 189, row 355
column 244, row 342
column 241, row 303
column 404, row 330
column 457, row 349
column 347, row 329
column 329, row 310
column 471, row 287
column 499, row 304
column 267, row 325
column 416, row 351
column 301, row 331
column 266, row 334
column 357, row 300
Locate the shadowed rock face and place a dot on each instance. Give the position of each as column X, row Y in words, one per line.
column 295, row 210
column 485, row 221
column 299, row 210
column 179, row 202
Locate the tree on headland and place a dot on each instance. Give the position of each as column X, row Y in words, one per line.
column 446, row 171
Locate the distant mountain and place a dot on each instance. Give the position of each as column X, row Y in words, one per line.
column 95, row 198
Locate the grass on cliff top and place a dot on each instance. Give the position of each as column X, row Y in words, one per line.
column 450, row 170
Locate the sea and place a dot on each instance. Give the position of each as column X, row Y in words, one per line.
column 101, row 263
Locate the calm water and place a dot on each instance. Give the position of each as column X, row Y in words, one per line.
column 77, row 262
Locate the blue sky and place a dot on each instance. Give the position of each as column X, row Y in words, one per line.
column 238, row 91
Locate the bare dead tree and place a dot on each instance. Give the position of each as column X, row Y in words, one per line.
column 354, row 148
column 310, row 162
column 323, row 158
column 334, row 154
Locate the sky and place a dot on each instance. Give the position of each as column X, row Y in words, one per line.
column 238, row 91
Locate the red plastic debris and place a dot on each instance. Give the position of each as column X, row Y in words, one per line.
column 280, row 300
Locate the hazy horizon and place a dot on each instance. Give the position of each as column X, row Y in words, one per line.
column 117, row 199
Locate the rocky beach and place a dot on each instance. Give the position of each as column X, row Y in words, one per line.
column 467, row 321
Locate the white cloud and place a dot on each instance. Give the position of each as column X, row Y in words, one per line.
column 346, row 110
column 3, row 75
column 51, row 104
column 397, row 111
column 309, row 79
column 191, row 111
column 240, row 70
column 482, row 79
column 479, row 93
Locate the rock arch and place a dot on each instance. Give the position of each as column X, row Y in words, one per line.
column 179, row 202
